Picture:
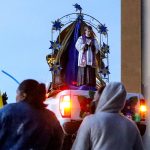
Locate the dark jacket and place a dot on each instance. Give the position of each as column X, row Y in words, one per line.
column 108, row 129
column 23, row 127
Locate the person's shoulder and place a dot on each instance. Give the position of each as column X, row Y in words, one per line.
column 89, row 119
column 7, row 109
column 8, row 106
column 12, row 107
column 50, row 114
column 80, row 37
column 130, row 122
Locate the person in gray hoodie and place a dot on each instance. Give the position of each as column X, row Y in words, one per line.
column 108, row 129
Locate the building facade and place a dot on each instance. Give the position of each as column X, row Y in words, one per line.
column 135, row 38
column 131, row 74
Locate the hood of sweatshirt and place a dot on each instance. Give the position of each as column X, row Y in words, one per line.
column 112, row 98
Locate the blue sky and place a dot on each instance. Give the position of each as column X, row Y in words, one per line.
column 25, row 32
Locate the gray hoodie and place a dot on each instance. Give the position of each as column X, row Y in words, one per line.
column 108, row 129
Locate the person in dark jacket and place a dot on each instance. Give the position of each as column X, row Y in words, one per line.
column 108, row 129
column 27, row 124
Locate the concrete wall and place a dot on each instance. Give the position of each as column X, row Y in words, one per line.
column 131, row 44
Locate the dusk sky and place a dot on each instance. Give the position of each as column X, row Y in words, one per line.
column 25, row 32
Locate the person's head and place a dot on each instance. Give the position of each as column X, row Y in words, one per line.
column 112, row 98
column 32, row 92
column 88, row 31
column 98, row 94
column 96, row 99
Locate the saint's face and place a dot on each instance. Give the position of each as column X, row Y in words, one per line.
column 88, row 32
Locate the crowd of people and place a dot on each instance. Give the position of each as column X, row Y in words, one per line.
column 28, row 125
